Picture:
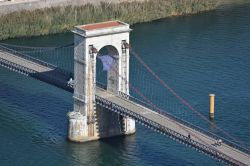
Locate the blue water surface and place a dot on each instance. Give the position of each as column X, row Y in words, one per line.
column 195, row 55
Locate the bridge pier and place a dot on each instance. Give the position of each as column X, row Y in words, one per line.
column 89, row 121
column 77, row 130
column 129, row 125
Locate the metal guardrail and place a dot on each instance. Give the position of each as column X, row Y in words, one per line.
column 226, row 141
column 37, row 47
column 43, row 76
column 35, row 60
column 15, row 67
column 38, row 61
column 172, row 134
column 18, row 67
column 164, row 113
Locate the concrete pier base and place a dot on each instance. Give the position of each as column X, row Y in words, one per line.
column 77, row 127
column 111, row 124
column 129, row 126
column 108, row 124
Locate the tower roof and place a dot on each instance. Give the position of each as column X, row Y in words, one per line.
column 108, row 24
column 102, row 28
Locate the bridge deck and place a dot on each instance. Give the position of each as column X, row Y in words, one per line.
column 34, row 68
column 175, row 126
column 145, row 113
column 24, row 62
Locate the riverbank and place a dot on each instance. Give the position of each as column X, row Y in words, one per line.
column 63, row 18
column 10, row 6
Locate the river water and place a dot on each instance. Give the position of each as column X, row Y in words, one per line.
column 196, row 55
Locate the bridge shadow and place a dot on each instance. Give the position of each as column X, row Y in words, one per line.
column 109, row 124
column 56, row 77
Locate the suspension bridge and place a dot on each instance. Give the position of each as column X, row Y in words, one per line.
column 117, row 98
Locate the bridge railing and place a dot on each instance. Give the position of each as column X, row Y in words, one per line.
column 165, row 130
column 164, row 113
column 15, row 67
column 27, row 57
column 210, row 134
column 35, row 60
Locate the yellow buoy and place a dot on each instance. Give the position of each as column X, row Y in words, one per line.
column 211, row 115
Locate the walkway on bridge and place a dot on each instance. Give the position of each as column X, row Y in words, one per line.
column 162, row 123
column 35, row 68
column 170, row 126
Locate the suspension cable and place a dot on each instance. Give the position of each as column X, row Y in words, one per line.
column 136, row 90
column 183, row 101
column 34, row 47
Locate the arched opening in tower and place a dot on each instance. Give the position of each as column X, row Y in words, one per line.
column 107, row 66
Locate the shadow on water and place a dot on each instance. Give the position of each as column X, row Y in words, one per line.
column 55, row 77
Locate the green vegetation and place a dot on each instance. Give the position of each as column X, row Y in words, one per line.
column 62, row 19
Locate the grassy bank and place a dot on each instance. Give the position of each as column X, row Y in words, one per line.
column 62, row 19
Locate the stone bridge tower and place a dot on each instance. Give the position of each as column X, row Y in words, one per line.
column 89, row 121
